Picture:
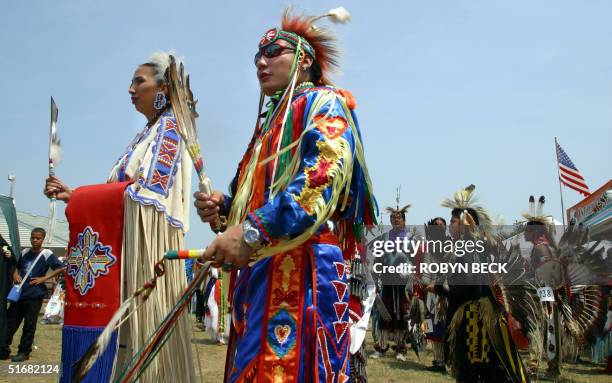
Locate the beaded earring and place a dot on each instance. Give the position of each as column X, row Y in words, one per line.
column 160, row 100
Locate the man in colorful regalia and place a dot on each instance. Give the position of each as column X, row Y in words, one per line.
column 295, row 214
column 479, row 347
column 548, row 272
column 435, row 305
column 569, row 278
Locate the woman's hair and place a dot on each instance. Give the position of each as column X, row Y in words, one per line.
column 159, row 61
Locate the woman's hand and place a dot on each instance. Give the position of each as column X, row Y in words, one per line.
column 54, row 187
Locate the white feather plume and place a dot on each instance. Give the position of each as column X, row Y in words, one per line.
column 161, row 61
column 339, row 15
column 55, row 152
column 540, row 209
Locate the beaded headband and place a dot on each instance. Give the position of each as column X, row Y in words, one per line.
column 275, row 34
column 318, row 43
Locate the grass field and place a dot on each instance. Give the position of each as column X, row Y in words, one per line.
column 212, row 358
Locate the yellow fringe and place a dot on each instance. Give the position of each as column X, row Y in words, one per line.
column 243, row 195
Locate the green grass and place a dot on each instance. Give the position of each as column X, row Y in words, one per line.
column 388, row 369
column 212, row 360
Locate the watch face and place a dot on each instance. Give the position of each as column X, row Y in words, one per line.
column 251, row 236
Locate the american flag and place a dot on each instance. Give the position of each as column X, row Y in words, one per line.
column 569, row 175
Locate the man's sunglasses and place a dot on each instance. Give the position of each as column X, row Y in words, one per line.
column 272, row 50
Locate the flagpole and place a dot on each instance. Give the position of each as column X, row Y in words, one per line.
column 560, row 188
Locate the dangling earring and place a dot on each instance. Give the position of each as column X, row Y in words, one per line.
column 160, row 100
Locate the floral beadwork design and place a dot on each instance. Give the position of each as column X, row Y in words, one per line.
column 88, row 260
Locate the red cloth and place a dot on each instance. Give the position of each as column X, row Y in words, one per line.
column 93, row 278
column 417, row 289
column 520, row 340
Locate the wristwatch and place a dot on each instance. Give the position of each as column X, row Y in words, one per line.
column 251, row 235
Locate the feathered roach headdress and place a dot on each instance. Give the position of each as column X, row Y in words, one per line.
column 402, row 211
column 536, row 214
column 470, row 214
column 308, row 38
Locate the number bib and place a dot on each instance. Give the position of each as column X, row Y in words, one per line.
column 546, row 294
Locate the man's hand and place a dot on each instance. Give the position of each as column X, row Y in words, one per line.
column 54, row 187
column 37, row 281
column 229, row 247
column 208, row 206
column 17, row 278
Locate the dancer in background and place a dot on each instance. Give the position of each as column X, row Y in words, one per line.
column 215, row 322
column 436, row 306
column 392, row 319
column 54, row 311
column 478, row 341
column 7, row 264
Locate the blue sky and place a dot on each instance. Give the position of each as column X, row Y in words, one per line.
column 449, row 92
